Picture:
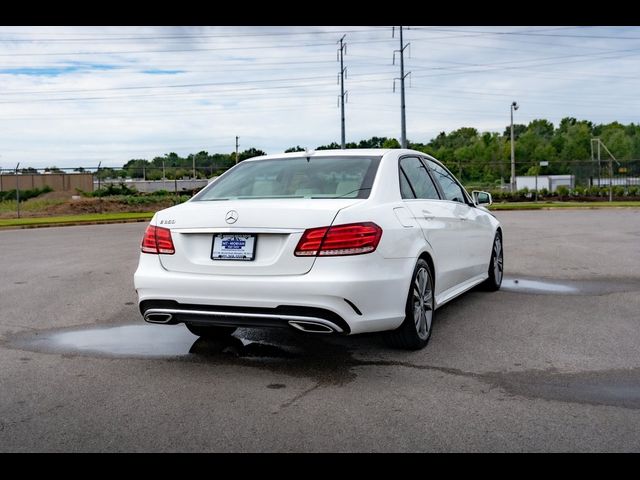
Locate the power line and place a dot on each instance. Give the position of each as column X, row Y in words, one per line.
column 253, row 47
column 170, row 37
column 534, row 34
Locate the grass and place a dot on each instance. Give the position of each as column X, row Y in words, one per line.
column 31, row 205
column 74, row 219
column 544, row 205
column 130, row 216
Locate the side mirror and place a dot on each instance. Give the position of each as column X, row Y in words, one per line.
column 482, row 198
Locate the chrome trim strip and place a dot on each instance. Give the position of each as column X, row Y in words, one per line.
column 238, row 230
column 288, row 318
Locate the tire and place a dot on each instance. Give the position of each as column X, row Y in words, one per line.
column 496, row 266
column 212, row 332
column 415, row 331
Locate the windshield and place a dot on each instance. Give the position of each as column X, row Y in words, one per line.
column 317, row 177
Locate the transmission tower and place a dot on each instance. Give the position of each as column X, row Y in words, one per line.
column 403, row 122
column 343, row 70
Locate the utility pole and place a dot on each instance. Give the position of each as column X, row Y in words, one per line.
column 18, row 190
column 610, row 178
column 236, row 149
column 194, row 166
column 164, row 178
column 591, row 179
column 514, row 106
column 100, row 197
column 342, row 50
column 403, row 122
column 611, row 160
column 599, row 166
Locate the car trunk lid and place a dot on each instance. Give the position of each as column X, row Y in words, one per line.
column 277, row 225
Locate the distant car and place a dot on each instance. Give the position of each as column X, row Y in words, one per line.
column 327, row 242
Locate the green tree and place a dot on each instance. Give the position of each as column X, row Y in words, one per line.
column 297, row 148
column 250, row 153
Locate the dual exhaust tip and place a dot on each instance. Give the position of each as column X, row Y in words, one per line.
column 311, row 327
column 302, row 325
column 158, row 317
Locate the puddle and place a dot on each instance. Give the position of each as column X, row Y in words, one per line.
column 121, row 341
column 536, row 286
column 143, row 341
column 618, row 388
column 326, row 361
column 297, row 355
column 542, row 286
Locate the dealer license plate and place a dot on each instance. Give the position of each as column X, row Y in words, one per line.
column 232, row 246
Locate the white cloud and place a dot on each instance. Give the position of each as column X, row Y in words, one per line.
column 74, row 96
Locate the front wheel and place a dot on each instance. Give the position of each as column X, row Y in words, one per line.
column 415, row 331
column 496, row 265
column 211, row 332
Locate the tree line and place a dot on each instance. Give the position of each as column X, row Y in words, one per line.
column 474, row 156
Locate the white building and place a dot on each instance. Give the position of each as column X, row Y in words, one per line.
column 550, row 182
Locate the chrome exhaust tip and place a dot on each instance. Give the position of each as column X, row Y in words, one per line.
column 158, row 317
column 311, row 327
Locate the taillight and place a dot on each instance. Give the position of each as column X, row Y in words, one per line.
column 350, row 239
column 157, row 240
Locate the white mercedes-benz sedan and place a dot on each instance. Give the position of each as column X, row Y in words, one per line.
column 328, row 242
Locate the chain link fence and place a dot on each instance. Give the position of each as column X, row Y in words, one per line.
column 590, row 180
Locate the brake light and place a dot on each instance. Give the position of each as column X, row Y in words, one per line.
column 157, row 240
column 349, row 239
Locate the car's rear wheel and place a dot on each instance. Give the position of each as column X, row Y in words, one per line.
column 496, row 266
column 211, row 332
column 415, row 331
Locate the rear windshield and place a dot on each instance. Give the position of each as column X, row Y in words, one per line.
column 317, row 177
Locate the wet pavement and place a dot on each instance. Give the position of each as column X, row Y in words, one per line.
column 548, row 363
column 324, row 361
column 544, row 286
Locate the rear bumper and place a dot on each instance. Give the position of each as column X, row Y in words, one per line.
column 355, row 294
column 316, row 320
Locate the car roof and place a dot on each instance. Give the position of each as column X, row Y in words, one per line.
column 349, row 152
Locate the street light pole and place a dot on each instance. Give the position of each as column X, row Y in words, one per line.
column 514, row 106
column 18, row 190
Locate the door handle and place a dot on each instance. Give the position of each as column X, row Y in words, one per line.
column 463, row 219
column 428, row 215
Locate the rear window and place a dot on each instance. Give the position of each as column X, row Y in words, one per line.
column 317, row 177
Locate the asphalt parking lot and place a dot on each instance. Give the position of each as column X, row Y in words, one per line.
column 549, row 363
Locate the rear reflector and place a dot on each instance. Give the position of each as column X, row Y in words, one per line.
column 350, row 239
column 157, row 240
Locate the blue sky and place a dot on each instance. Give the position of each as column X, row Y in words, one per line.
column 72, row 96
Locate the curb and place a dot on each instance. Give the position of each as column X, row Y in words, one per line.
column 74, row 223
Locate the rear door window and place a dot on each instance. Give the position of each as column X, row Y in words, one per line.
column 452, row 191
column 420, row 184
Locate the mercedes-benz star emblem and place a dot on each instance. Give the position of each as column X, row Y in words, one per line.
column 231, row 216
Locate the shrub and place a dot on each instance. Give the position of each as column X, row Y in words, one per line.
column 562, row 191
column 25, row 194
column 618, row 191
column 112, row 189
